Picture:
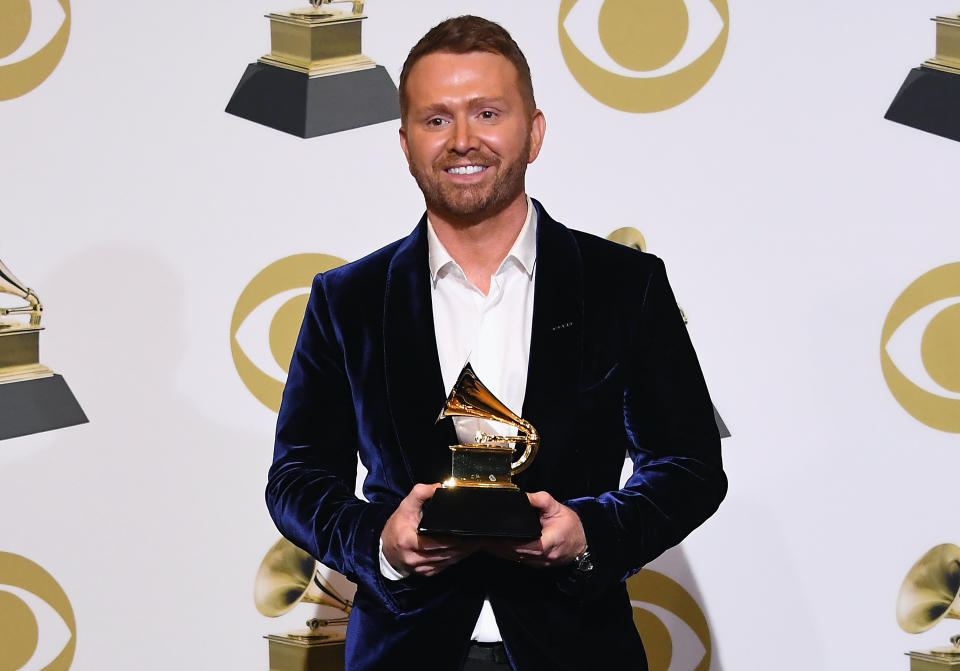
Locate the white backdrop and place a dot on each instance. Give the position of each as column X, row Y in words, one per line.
column 789, row 212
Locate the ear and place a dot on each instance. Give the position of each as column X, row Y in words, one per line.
column 403, row 143
column 538, row 126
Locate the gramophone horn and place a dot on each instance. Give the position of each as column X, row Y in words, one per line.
column 930, row 591
column 9, row 284
column 471, row 398
column 288, row 576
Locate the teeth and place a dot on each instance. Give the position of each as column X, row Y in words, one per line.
column 465, row 169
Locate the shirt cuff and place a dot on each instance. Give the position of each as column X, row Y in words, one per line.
column 386, row 570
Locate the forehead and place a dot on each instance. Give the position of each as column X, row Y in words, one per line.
column 444, row 75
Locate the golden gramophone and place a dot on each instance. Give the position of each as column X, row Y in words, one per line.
column 32, row 397
column 289, row 576
column 317, row 40
column 929, row 594
column 20, row 339
column 480, row 498
column 316, row 79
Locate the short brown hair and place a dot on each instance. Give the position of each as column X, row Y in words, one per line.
column 462, row 35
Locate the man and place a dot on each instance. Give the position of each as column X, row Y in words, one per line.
column 580, row 336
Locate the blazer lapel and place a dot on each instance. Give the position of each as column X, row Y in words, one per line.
column 553, row 374
column 414, row 383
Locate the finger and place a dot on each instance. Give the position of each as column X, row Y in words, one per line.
column 429, row 543
column 436, row 552
column 438, row 555
column 534, row 547
column 434, row 567
column 432, row 560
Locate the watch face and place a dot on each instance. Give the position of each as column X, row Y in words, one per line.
column 583, row 562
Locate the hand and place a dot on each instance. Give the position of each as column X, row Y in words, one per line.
column 410, row 553
column 561, row 540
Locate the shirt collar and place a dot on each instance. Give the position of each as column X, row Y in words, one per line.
column 524, row 248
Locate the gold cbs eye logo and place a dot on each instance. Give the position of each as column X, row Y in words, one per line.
column 921, row 338
column 33, row 37
column 266, row 322
column 38, row 630
column 674, row 629
column 629, row 237
column 643, row 55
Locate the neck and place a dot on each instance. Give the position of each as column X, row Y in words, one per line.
column 479, row 246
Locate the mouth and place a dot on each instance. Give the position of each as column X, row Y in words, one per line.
column 465, row 169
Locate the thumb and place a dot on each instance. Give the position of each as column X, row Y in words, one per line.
column 421, row 493
column 542, row 501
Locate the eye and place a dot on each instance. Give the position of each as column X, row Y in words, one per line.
column 33, row 37
column 266, row 322
column 37, row 613
column 30, row 29
column 628, row 41
column 674, row 629
column 920, row 348
column 643, row 56
column 265, row 335
column 33, row 614
column 488, row 114
column 686, row 650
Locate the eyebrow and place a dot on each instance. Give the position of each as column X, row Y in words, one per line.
column 480, row 101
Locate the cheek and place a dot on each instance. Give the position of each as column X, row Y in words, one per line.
column 425, row 150
column 507, row 141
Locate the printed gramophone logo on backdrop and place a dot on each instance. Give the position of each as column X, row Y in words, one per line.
column 33, row 37
column 316, row 79
column 37, row 626
column 929, row 98
column 920, row 348
column 643, row 56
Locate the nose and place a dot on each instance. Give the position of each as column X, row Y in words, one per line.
column 464, row 138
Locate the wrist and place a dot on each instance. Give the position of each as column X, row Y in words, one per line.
column 387, row 569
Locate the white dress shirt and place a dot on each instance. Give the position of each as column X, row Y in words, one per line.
column 492, row 333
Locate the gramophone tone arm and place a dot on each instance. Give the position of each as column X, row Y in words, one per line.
column 315, row 623
column 484, row 438
column 35, row 309
column 357, row 4
column 530, row 438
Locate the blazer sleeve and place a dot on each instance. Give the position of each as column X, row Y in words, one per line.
column 311, row 484
column 673, row 441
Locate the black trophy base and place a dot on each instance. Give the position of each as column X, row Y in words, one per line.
column 33, row 406
column 480, row 511
column 929, row 100
column 295, row 103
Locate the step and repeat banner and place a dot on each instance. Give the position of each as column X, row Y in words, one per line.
column 812, row 244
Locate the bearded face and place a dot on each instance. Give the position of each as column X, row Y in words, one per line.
column 468, row 134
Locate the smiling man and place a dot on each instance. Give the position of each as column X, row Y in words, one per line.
column 580, row 336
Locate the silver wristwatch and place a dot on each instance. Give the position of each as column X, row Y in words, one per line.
column 582, row 563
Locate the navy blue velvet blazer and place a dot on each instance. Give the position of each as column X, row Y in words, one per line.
column 611, row 371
